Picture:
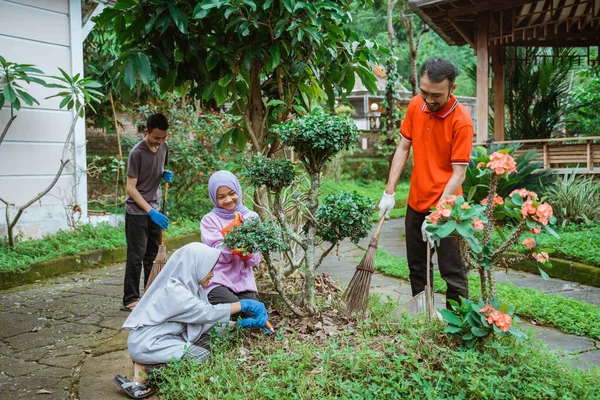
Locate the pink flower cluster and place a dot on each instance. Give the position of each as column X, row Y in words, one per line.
column 529, row 243
column 541, row 257
column 498, row 318
column 477, row 224
column 540, row 213
column 498, row 201
column 443, row 209
column 501, row 163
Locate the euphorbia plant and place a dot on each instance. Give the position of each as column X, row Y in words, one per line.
column 315, row 139
column 474, row 224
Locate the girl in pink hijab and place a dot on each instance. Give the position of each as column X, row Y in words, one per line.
column 233, row 276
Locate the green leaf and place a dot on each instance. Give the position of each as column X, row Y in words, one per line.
column 9, row 94
column 543, row 274
column 275, row 55
column 27, row 98
column 446, row 229
column 212, row 60
column 479, row 332
column 267, row 4
column 288, row 5
column 208, row 92
column 517, row 199
column 551, row 231
column 179, row 18
column 453, row 329
column 64, row 102
column 130, row 74
column 465, row 229
column 450, row 317
column 142, row 66
column 220, row 95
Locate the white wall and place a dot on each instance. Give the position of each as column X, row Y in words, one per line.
column 46, row 33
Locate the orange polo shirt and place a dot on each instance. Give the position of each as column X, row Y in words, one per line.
column 439, row 140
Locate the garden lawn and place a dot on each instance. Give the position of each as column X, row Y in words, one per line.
column 380, row 358
column 568, row 315
column 373, row 190
column 86, row 238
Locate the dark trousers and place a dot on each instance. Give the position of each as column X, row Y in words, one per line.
column 451, row 265
column 222, row 295
column 143, row 238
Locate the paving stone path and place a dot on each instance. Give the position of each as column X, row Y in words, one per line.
column 61, row 339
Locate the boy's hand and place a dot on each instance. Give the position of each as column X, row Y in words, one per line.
column 159, row 219
column 386, row 205
column 167, row 175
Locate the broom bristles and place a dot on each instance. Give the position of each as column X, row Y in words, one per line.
column 157, row 265
column 357, row 293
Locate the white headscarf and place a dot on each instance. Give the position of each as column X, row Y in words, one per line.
column 175, row 294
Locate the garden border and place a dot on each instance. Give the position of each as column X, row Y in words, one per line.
column 562, row 269
column 79, row 262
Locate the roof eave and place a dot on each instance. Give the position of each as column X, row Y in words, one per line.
column 415, row 5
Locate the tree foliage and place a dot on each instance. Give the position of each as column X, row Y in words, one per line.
column 269, row 58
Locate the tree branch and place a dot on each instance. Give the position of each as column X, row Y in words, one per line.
column 325, row 253
column 277, row 283
column 8, row 124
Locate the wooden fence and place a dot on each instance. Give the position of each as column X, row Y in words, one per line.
column 563, row 155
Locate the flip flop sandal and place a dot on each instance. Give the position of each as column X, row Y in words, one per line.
column 132, row 389
column 126, row 308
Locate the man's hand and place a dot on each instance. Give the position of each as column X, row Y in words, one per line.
column 426, row 234
column 386, row 204
column 167, row 175
column 159, row 219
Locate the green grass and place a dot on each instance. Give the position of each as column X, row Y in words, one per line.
column 373, row 190
column 379, row 359
column 62, row 243
column 568, row 315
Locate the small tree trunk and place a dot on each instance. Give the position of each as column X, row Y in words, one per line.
column 310, row 257
column 114, row 112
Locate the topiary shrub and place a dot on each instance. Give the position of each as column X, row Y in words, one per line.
column 344, row 215
column 257, row 236
column 316, row 139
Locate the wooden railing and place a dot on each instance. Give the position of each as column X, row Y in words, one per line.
column 581, row 155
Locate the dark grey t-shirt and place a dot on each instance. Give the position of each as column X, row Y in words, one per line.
column 147, row 166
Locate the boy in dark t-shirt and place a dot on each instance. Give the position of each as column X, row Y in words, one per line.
column 143, row 221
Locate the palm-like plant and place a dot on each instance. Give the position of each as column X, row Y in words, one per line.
column 537, row 91
column 575, row 199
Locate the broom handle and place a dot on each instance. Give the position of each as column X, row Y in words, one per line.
column 164, row 210
column 375, row 237
column 428, row 289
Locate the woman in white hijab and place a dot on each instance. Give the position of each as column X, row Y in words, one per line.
column 173, row 317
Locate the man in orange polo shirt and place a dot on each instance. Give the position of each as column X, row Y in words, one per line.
column 440, row 131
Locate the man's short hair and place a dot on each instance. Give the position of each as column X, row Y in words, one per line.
column 157, row 120
column 438, row 69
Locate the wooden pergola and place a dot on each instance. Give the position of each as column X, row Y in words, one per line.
column 491, row 26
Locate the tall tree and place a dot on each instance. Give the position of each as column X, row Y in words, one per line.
column 269, row 59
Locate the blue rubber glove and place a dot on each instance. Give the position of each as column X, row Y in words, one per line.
column 167, row 175
column 252, row 323
column 254, row 308
column 159, row 219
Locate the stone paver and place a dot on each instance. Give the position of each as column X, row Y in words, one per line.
column 61, row 338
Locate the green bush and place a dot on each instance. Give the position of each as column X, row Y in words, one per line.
column 366, row 173
column 259, row 236
column 271, row 172
column 318, row 137
column 344, row 215
column 575, row 199
column 351, row 166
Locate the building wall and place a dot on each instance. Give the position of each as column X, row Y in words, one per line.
column 46, row 33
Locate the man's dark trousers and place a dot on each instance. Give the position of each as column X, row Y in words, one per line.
column 451, row 265
column 143, row 238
